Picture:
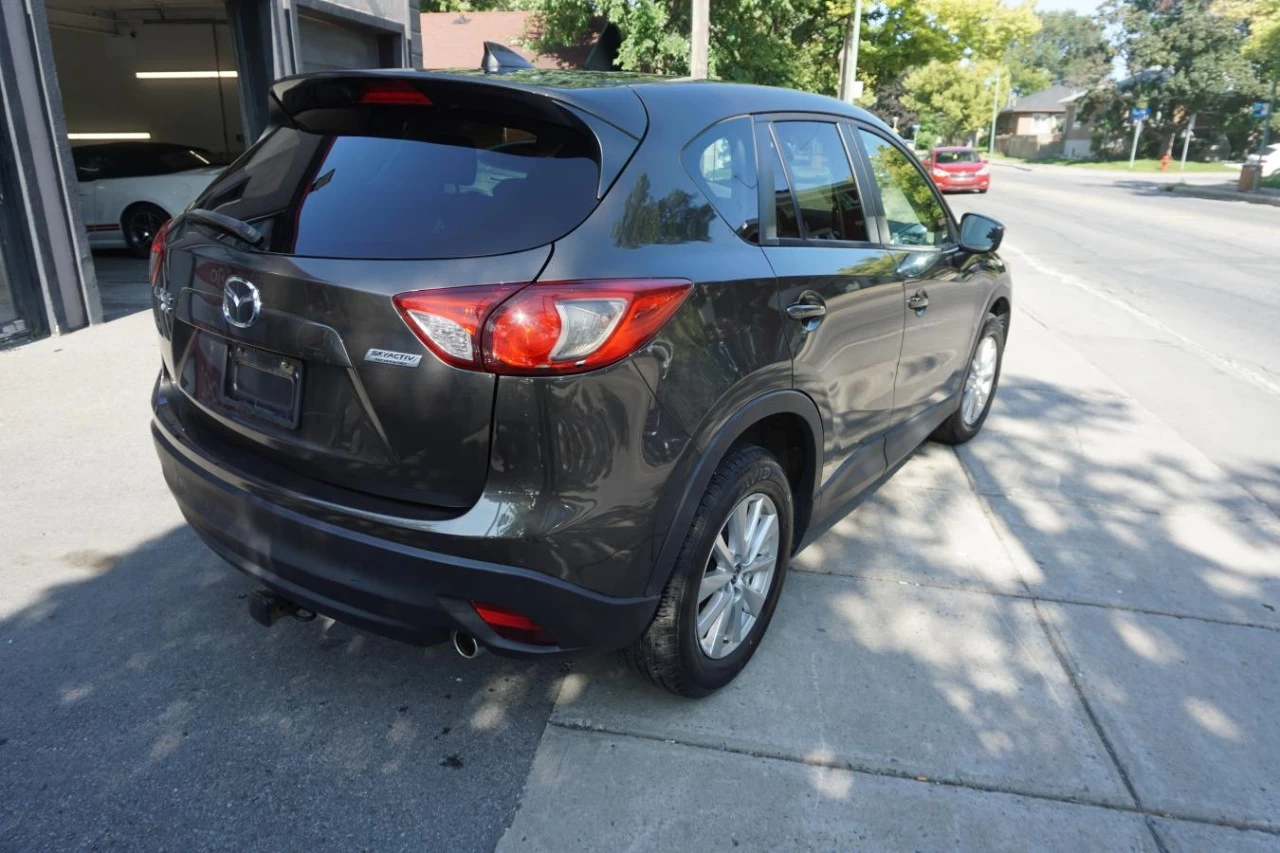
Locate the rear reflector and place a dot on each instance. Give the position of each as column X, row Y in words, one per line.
column 511, row 625
column 157, row 252
column 393, row 92
column 549, row 328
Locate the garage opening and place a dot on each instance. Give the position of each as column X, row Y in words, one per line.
column 151, row 99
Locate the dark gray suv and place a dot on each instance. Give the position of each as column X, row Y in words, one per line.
column 559, row 362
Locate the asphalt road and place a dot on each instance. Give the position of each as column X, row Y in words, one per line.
column 1176, row 299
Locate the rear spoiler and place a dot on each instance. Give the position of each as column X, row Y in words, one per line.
column 615, row 116
column 616, row 106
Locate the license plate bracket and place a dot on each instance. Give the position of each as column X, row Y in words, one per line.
column 264, row 385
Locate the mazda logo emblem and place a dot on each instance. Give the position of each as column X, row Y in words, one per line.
column 240, row 302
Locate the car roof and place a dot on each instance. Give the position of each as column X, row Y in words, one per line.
column 954, row 148
column 607, row 93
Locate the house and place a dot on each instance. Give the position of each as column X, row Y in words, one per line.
column 1040, row 125
column 456, row 40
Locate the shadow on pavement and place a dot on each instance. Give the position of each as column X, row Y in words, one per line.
column 142, row 709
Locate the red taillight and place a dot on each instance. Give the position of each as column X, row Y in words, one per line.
column 512, row 625
column 157, row 252
column 393, row 92
column 549, row 328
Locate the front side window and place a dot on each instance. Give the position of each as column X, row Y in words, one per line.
column 829, row 205
column 722, row 162
column 914, row 215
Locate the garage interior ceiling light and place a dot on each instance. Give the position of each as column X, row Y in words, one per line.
column 182, row 75
column 132, row 135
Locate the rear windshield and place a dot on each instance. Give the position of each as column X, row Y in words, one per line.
column 412, row 182
column 956, row 156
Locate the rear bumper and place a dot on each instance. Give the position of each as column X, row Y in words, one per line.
column 389, row 588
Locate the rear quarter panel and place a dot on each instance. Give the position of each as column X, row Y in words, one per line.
column 725, row 345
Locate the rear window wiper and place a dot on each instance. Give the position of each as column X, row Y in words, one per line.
column 228, row 224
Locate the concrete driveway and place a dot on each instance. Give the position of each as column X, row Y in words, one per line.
column 1063, row 637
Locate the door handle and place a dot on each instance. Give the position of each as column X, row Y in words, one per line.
column 918, row 301
column 806, row 311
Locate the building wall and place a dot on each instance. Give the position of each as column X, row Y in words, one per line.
column 100, row 92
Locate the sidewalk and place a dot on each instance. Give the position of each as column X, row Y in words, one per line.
column 1064, row 637
column 1228, row 192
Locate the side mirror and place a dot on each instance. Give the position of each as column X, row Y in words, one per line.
column 980, row 234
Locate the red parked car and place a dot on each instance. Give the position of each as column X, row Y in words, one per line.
column 956, row 168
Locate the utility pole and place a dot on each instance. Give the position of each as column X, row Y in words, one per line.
column 1137, row 131
column 700, row 36
column 850, row 91
column 1186, row 141
column 995, row 113
column 1266, row 121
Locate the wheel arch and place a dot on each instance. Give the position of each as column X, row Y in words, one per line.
column 778, row 419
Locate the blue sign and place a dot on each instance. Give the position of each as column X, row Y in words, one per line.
column 1139, row 113
column 1261, row 109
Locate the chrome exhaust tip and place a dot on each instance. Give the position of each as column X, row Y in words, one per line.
column 466, row 645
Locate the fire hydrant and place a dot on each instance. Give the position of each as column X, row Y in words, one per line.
column 1164, row 163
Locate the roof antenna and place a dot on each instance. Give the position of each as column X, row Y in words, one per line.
column 499, row 59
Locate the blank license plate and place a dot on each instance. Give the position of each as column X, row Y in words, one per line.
column 264, row 384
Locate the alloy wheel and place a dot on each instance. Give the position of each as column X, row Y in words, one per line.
column 736, row 582
column 980, row 381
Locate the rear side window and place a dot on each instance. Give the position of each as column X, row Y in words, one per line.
column 413, row 182
column 722, row 162
column 818, row 166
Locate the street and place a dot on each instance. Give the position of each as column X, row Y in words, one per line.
column 1064, row 636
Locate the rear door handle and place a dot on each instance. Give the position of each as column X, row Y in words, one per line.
column 806, row 311
column 918, row 301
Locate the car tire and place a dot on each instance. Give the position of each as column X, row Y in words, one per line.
column 671, row 652
column 139, row 224
column 959, row 428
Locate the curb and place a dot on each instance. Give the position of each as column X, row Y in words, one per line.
column 1005, row 165
column 1224, row 195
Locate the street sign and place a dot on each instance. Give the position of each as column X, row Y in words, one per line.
column 1261, row 109
column 1139, row 114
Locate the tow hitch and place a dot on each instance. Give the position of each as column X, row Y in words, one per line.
column 266, row 607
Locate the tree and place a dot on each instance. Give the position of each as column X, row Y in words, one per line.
column 903, row 35
column 1262, row 17
column 953, row 99
column 783, row 43
column 1069, row 50
column 796, row 43
column 1186, row 59
column 478, row 5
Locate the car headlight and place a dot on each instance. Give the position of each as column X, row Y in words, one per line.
column 941, row 173
column 984, row 171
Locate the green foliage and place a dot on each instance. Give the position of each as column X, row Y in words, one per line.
column 953, row 99
column 902, row 35
column 1187, row 59
column 784, row 43
column 479, row 5
column 1069, row 49
column 1262, row 19
column 795, row 43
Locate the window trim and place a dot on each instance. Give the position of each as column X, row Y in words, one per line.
column 870, row 204
column 952, row 241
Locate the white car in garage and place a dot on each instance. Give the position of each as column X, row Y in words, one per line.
column 129, row 189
